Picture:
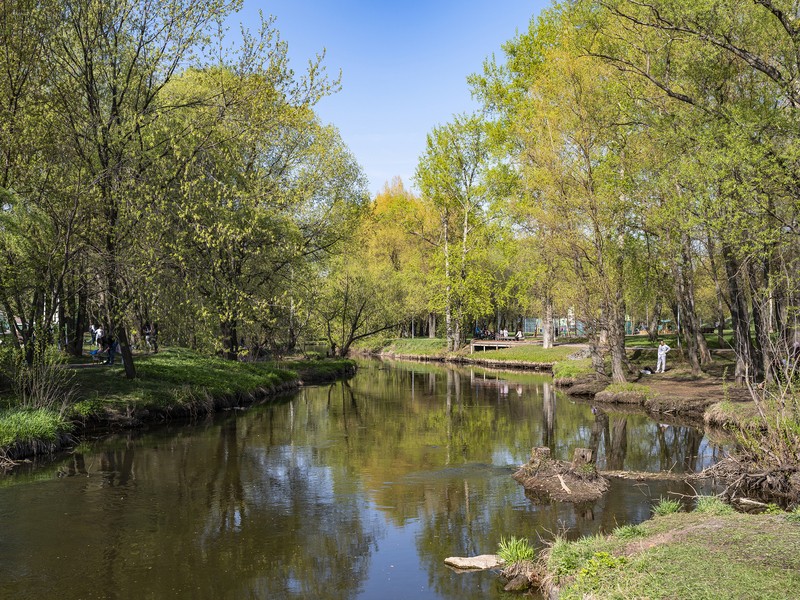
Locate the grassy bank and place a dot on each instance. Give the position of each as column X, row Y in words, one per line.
column 432, row 347
column 709, row 553
column 526, row 353
column 31, row 427
column 436, row 348
column 174, row 382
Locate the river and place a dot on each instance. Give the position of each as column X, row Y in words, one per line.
column 356, row 490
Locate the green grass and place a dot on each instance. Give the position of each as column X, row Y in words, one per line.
column 569, row 369
column 26, row 426
column 629, row 532
column 642, row 341
column 416, row 346
column 666, row 506
column 174, row 377
column 403, row 346
column 515, row 550
column 685, row 555
column 528, row 353
column 711, row 505
column 635, row 388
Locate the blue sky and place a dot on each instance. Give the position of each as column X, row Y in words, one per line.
column 404, row 65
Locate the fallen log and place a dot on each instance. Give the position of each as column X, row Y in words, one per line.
column 654, row 476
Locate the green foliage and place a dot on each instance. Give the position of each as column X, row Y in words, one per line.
column 593, row 573
column 45, row 383
column 794, row 515
column 712, row 505
column 31, row 426
column 666, row 506
column 515, row 550
column 565, row 557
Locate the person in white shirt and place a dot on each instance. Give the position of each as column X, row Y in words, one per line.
column 662, row 356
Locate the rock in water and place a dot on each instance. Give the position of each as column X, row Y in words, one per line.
column 482, row 562
column 520, row 583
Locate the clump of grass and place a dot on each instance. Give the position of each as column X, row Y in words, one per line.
column 42, row 384
column 666, row 506
column 794, row 516
column 515, row 550
column 31, row 425
column 711, row 505
column 629, row 532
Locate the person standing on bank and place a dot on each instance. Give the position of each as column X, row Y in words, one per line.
column 662, row 356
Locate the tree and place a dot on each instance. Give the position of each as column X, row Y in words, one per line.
column 109, row 63
column 454, row 177
column 728, row 68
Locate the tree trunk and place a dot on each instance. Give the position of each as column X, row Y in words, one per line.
column 721, row 300
column 547, row 323
column 230, row 342
column 745, row 365
column 655, row 321
column 596, row 354
column 448, row 312
column 685, row 309
column 759, row 295
column 616, row 338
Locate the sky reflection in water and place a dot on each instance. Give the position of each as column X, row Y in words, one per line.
column 354, row 490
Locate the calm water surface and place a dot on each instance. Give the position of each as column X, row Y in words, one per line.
column 355, row 490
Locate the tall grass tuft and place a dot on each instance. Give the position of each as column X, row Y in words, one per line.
column 666, row 506
column 515, row 550
column 31, row 426
column 711, row 505
column 43, row 384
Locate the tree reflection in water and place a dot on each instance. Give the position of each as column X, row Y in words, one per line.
column 352, row 490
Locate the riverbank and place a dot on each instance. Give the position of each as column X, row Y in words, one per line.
column 711, row 397
column 173, row 384
column 712, row 552
column 521, row 356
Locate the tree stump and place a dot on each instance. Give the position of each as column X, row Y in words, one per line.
column 582, row 456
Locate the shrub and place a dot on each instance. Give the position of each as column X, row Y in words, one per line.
column 44, row 384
